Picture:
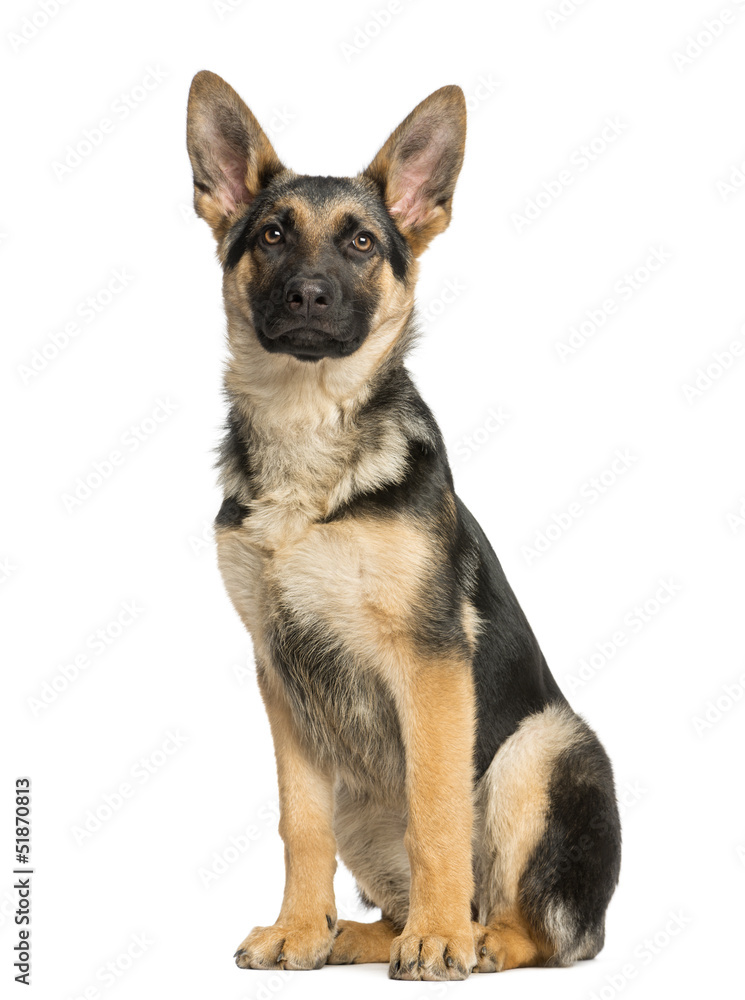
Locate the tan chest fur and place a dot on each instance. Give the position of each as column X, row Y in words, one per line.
column 336, row 597
column 359, row 578
column 304, row 471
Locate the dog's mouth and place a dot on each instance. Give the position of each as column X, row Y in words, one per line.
column 308, row 343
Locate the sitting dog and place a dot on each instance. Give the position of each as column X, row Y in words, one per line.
column 418, row 732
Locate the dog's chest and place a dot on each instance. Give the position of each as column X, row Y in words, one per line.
column 318, row 600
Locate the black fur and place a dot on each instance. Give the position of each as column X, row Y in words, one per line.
column 341, row 326
column 577, row 862
column 313, row 293
column 347, row 713
column 231, row 513
column 511, row 675
column 317, row 191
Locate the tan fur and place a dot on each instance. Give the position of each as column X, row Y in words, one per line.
column 357, row 942
column 360, row 580
column 303, row 933
column 290, row 507
column 241, row 567
column 371, row 704
column 377, row 568
column 511, row 805
column 288, row 396
column 471, row 624
column 313, row 222
column 511, row 802
column 211, row 99
column 507, row 943
column 420, row 218
column 438, row 722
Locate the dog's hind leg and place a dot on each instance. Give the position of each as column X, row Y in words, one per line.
column 547, row 845
column 359, row 942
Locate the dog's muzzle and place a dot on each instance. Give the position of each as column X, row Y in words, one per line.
column 308, row 322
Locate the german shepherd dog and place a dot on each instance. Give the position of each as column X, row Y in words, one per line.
column 418, row 732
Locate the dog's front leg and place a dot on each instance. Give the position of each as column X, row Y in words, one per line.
column 303, row 935
column 437, row 714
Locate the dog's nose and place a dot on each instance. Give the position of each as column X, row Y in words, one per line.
column 309, row 296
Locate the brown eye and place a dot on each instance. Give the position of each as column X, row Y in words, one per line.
column 363, row 242
column 272, row 235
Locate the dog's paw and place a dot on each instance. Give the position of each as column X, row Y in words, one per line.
column 359, row 942
column 299, row 946
column 491, row 953
column 432, row 956
column 503, row 947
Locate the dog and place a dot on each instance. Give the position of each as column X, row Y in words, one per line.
column 418, row 732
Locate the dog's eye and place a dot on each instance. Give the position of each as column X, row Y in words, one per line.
column 272, row 235
column 363, row 242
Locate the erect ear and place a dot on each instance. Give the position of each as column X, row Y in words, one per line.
column 231, row 158
column 418, row 166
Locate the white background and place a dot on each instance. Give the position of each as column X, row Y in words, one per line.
column 329, row 84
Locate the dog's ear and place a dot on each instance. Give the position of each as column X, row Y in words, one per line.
column 418, row 166
column 231, row 158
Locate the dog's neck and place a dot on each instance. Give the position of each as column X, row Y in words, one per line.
column 306, row 437
column 281, row 395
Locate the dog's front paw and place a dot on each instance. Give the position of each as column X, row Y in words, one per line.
column 432, row 956
column 296, row 946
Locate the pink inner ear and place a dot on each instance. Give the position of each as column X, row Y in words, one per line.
column 409, row 181
column 231, row 189
column 236, row 192
column 410, row 208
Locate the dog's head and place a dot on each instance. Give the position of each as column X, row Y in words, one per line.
column 315, row 267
